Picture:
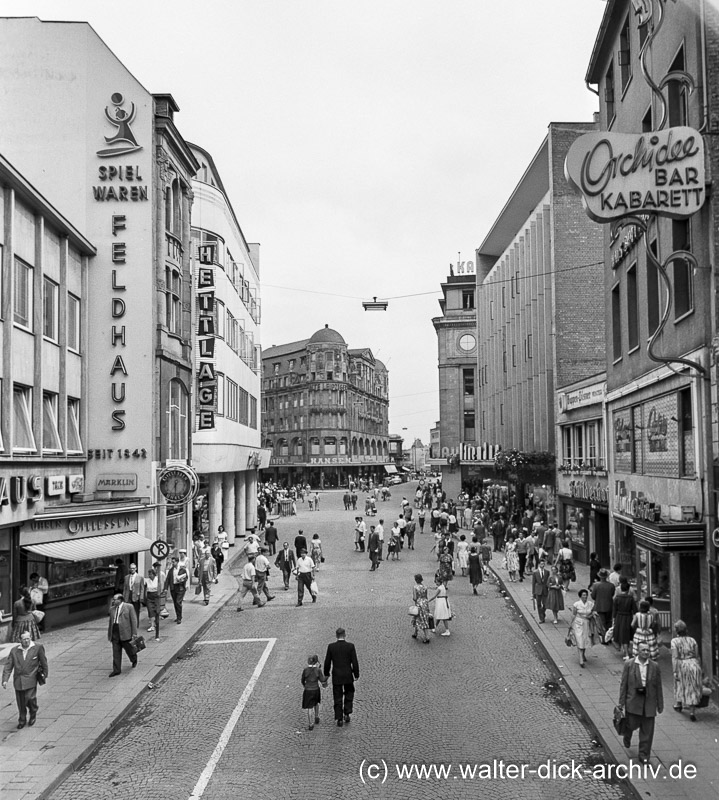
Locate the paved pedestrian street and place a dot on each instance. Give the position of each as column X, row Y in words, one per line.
column 462, row 717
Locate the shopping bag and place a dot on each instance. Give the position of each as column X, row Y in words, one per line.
column 39, row 615
column 619, row 721
column 413, row 611
column 314, row 590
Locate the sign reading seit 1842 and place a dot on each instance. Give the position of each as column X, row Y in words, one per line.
column 618, row 174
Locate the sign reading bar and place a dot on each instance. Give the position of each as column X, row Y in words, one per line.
column 618, row 174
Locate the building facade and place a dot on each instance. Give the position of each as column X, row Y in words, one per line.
column 325, row 412
column 660, row 311
column 226, row 443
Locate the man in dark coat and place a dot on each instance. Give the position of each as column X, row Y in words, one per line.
column 286, row 562
column 641, row 697
column 122, row 629
column 341, row 660
column 271, row 538
column 540, row 588
column 24, row 661
column 373, row 547
column 603, row 595
column 300, row 543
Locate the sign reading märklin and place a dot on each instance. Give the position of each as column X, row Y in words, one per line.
column 117, row 483
column 619, row 174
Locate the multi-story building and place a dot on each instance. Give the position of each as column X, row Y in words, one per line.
column 660, row 313
column 325, row 411
column 539, row 326
column 226, row 444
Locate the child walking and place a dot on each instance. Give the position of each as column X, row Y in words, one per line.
column 312, row 677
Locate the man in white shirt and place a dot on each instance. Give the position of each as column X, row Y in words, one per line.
column 252, row 545
column 379, row 530
column 360, row 531
column 305, row 574
column 401, row 524
column 262, row 568
column 249, row 583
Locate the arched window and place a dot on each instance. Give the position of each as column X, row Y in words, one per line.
column 177, row 420
column 361, row 447
column 343, row 446
column 355, row 448
column 314, row 446
column 297, row 447
column 374, row 448
column 282, row 448
column 173, row 293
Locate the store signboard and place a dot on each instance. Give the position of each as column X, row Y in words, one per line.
column 40, row 531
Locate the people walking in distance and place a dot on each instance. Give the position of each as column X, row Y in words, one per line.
column 688, row 687
column 474, row 565
column 122, row 629
column 420, row 621
column 463, row 555
column 615, row 577
column 262, row 568
column 305, row 574
column 207, row 573
column 312, row 677
column 393, row 545
column 532, row 561
column 27, row 663
column 379, row 528
column 510, row 554
column 218, row 555
column 623, row 611
column 410, row 530
column 445, row 570
column 176, row 582
column 486, row 551
column 540, row 589
column 641, row 697
column 341, row 662
column 152, row 602
column 565, row 564
column 555, row 594
column 521, row 547
column 347, row 500
column 602, row 592
column 643, row 625
column 442, row 610
column 594, row 567
column 360, row 531
column 249, row 584
column 373, row 547
column 582, row 624
column 271, row 538
column 316, row 552
column 286, row 562
column 300, row 543
column 134, row 590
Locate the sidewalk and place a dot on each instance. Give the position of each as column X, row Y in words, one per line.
column 80, row 703
column 596, row 690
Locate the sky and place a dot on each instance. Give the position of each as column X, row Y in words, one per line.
column 363, row 144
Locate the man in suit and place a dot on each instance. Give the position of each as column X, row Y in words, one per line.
column 373, row 547
column 176, row 582
column 271, row 538
column 341, row 659
column 300, row 543
column 641, row 697
column 121, row 629
column 134, row 589
column 24, row 661
column 286, row 562
column 603, row 596
column 540, row 588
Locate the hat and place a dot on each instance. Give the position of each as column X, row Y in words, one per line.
column 603, row 572
column 182, row 550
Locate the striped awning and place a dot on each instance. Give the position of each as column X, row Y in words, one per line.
column 114, row 544
column 390, row 468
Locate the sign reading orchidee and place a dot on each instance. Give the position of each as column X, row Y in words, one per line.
column 618, row 174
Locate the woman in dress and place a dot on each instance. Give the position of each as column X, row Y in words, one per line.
column 510, row 553
column 22, row 617
column 420, row 622
column 463, row 555
column 555, row 598
column 582, row 615
column 312, row 677
column 687, row 671
column 475, row 568
column 316, row 554
column 625, row 607
column 565, row 565
column 442, row 610
column 643, row 627
column 445, row 565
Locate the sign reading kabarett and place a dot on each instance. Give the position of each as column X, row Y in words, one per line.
column 618, row 174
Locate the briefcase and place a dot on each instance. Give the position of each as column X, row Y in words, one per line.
column 138, row 643
column 619, row 721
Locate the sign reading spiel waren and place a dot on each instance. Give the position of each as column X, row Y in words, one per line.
column 617, row 174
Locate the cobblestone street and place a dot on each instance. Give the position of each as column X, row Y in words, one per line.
column 481, row 695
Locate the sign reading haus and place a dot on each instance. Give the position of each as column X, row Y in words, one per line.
column 618, row 174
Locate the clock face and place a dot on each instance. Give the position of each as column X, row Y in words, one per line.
column 467, row 342
column 176, row 486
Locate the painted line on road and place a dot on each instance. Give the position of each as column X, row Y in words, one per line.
column 201, row 784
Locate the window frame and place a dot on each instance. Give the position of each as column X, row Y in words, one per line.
column 73, row 426
column 29, row 282
column 50, row 428
column 50, row 309
column 74, row 341
column 24, row 395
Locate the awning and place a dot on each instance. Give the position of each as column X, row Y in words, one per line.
column 405, row 469
column 114, row 544
column 390, row 468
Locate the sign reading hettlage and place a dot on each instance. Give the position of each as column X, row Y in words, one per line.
column 206, row 375
column 618, row 174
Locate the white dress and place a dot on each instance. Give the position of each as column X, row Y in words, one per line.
column 463, row 555
column 442, row 609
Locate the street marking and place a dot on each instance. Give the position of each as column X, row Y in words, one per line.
column 201, row 784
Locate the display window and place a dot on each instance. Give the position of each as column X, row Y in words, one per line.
column 68, row 579
column 6, row 598
column 575, row 525
column 654, row 577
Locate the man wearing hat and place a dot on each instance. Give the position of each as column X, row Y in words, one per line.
column 262, row 568
column 603, row 596
column 249, row 583
column 540, row 588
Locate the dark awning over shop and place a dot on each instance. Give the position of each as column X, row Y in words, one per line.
column 114, row 544
column 663, row 538
column 390, row 468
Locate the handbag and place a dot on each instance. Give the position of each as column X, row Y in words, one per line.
column 39, row 615
column 619, row 721
column 609, row 635
column 314, row 590
column 40, row 674
column 568, row 641
column 138, row 643
column 413, row 611
column 430, row 620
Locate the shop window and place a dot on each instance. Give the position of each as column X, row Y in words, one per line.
column 632, row 309
column 6, row 596
column 50, row 433
column 686, row 433
column 73, row 322
column 682, row 269
column 177, row 420
column 24, row 440
column 50, row 309
column 638, row 432
column 74, row 441
column 575, row 526
column 22, row 301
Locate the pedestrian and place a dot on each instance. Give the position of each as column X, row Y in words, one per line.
column 602, row 593
column 162, row 575
column 316, row 552
column 445, row 565
column 421, row 517
column 286, row 562
column 28, row 665
column 312, row 677
column 623, row 610
column 521, row 544
column 688, row 687
column 442, row 609
column 474, row 565
column 485, row 549
column 134, row 590
column 498, row 533
column 643, row 627
column 641, row 697
column 420, row 620
column 341, row 661
column 252, row 544
column 463, row 555
column 393, row 545
column 379, row 530
column 512, row 558
column 122, row 629
column 373, row 547
column 152, row 602
column 360, row 531
column 582, row 628
column 594, row 567
column 23, row 617
column 615, row 577
column 183, row 561
column 565, row 564
column 305, row 575
column 347, row 500
column 410, row 531
column 249, row 584
column 207, row 573
column 119, row 583
column 176, row 582
column 262, row 568
column 540, row 589
column 317, row 501
column 531, row 551
column 218, row 555
column 39, row 587
column 555, row 594
column 300, row 543
column 271, row 538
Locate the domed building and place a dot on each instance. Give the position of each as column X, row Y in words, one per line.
column 325, row 412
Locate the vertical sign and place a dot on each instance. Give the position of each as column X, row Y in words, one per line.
column 206, row 376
